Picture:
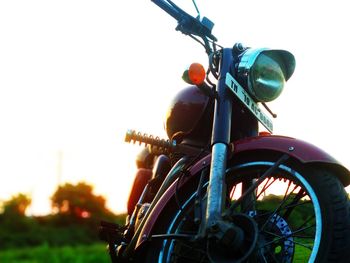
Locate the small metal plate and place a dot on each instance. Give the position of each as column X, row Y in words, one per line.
column 245, row 98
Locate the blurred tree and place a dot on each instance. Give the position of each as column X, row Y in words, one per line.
column 17, row 205
column 16, row 229
column 79, row 201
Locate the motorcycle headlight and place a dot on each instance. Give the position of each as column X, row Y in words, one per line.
column 265, row 71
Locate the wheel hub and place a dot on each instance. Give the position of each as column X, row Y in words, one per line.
column 220, row 249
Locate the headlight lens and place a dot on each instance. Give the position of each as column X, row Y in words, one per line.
column 266, row 79
column 264, row 72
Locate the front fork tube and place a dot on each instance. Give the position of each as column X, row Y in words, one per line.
column 221, row 134
column 216, row 187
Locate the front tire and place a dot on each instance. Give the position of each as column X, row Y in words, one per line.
column 302, row 215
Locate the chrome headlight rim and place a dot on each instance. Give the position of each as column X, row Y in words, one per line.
column 283, row 58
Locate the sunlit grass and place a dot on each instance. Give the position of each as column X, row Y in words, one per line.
column 67, row 254
column 301, row 255
column 85, row 254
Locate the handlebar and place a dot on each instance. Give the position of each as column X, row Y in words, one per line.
column 187, row 24
column 171, row 10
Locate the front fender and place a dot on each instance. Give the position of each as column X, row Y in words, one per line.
column 304, row 152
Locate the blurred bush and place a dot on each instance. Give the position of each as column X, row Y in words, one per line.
column 76, row 215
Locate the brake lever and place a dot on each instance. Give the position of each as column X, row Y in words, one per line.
column 193, row 26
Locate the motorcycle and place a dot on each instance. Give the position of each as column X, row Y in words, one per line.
column 218, row 190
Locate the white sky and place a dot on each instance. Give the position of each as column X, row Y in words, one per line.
column 75, row 75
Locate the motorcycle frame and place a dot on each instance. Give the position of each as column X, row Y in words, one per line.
column 220, row 149
column 221, row 138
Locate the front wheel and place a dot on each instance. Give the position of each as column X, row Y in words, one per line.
column 302, row 215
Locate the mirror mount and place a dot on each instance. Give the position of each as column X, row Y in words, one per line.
column 196, row 7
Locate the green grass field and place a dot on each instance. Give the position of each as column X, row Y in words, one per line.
column 67, row 254
column 81, row 254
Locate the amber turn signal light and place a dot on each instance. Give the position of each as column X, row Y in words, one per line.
column 195, row 74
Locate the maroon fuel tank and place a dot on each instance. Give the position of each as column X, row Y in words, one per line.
column 189, row 115
column 302, row 151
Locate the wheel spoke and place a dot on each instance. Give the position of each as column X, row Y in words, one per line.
column 303, row 229
column 284, row 200
column 290, row 206
column 266, row 186
column 303, row 245
column 305, row 222
column 279, row 238
column 294, row 203
column 285, row 223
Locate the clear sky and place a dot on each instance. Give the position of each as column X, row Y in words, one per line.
column 75, row 75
